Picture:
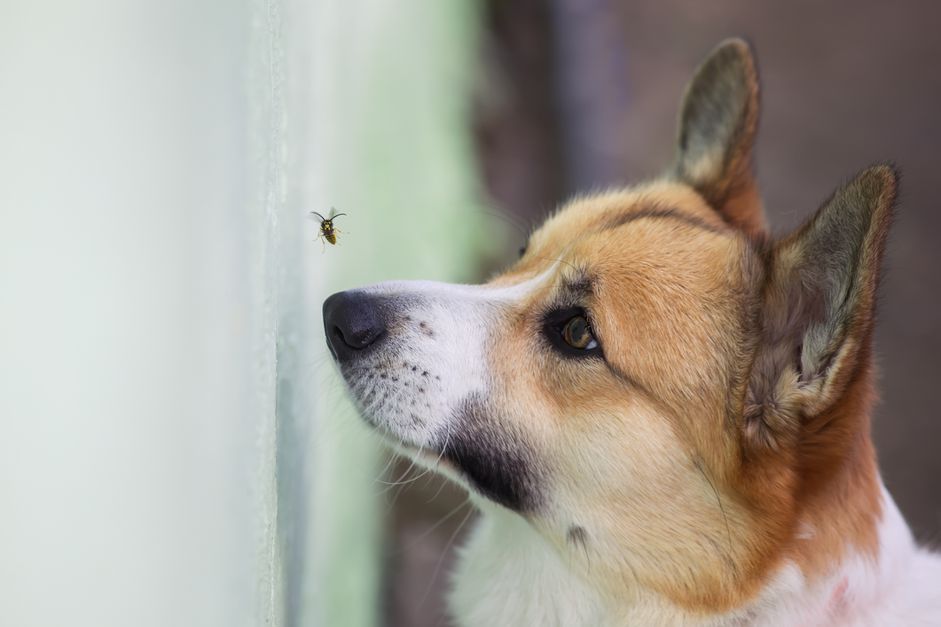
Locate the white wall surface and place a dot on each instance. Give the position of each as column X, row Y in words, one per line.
column 175, row 448
column 140, row 201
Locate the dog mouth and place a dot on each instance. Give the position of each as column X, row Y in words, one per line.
column 461, row 442
column 379, row 405
column 422, row 383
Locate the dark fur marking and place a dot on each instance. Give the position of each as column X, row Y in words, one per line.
column 577, row 536
column 637, row 385
column 580, row 287
column 496, row 463
column 663, row 214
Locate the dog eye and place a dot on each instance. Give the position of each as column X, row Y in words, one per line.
column 568, row 330
column 577, row 334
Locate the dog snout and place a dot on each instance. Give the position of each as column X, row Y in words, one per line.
column 353, row 323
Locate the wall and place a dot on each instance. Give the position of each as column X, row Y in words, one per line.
column 175, row 448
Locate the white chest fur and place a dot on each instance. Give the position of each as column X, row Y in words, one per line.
column 508, row 575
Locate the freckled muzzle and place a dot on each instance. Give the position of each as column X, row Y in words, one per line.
column 392, row 378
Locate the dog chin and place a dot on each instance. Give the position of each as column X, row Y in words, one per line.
column 405, row 434
column 431, row 457
column 397, row 408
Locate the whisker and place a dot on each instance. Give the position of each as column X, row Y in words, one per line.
column 424, row 534
column 728, row 530
column 444, row 553
column 526, row 230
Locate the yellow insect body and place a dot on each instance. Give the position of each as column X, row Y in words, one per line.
column 327, row 230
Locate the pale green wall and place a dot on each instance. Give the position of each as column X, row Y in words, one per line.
column 389, row 143
column 177, row 448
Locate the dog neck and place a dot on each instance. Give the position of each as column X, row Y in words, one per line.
column 510, row 574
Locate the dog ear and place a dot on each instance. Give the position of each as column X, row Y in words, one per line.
column 818, row 310
column 717, row 126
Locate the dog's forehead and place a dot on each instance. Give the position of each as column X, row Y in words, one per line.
column 602, row 233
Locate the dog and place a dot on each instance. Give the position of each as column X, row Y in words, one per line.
column 662, row 413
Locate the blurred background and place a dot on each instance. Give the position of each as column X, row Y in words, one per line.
column 176, row 448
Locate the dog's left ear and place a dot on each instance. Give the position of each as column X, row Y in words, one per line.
column 717, row 127
column 818, row 312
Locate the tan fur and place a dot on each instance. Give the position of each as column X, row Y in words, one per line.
column 677, row 305
column 629, row 426
column 672, row 310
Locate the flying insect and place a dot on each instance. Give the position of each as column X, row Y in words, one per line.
column 327, row 230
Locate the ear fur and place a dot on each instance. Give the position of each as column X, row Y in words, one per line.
column 819, row 308
column 717, row 127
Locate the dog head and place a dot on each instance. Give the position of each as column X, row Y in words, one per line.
column 656, row 386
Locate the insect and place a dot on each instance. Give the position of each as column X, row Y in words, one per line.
column 327, row 230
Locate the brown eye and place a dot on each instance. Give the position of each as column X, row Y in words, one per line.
column 577, row 334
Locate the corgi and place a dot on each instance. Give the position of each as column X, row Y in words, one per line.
column 661, row 412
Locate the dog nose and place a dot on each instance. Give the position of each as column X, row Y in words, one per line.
column 353, row 322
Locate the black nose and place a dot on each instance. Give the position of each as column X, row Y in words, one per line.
column 352, row 321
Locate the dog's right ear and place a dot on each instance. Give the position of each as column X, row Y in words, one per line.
column 717, row 127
